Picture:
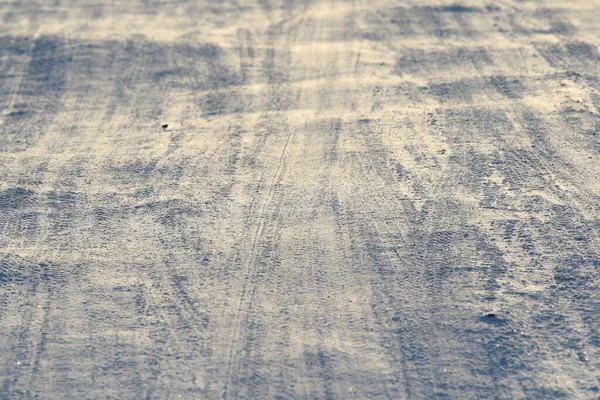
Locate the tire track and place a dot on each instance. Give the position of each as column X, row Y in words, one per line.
column 250, row 269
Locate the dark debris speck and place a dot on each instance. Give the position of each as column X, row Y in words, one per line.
column 493, row 319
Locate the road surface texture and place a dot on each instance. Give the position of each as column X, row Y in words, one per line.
column 299, row 199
